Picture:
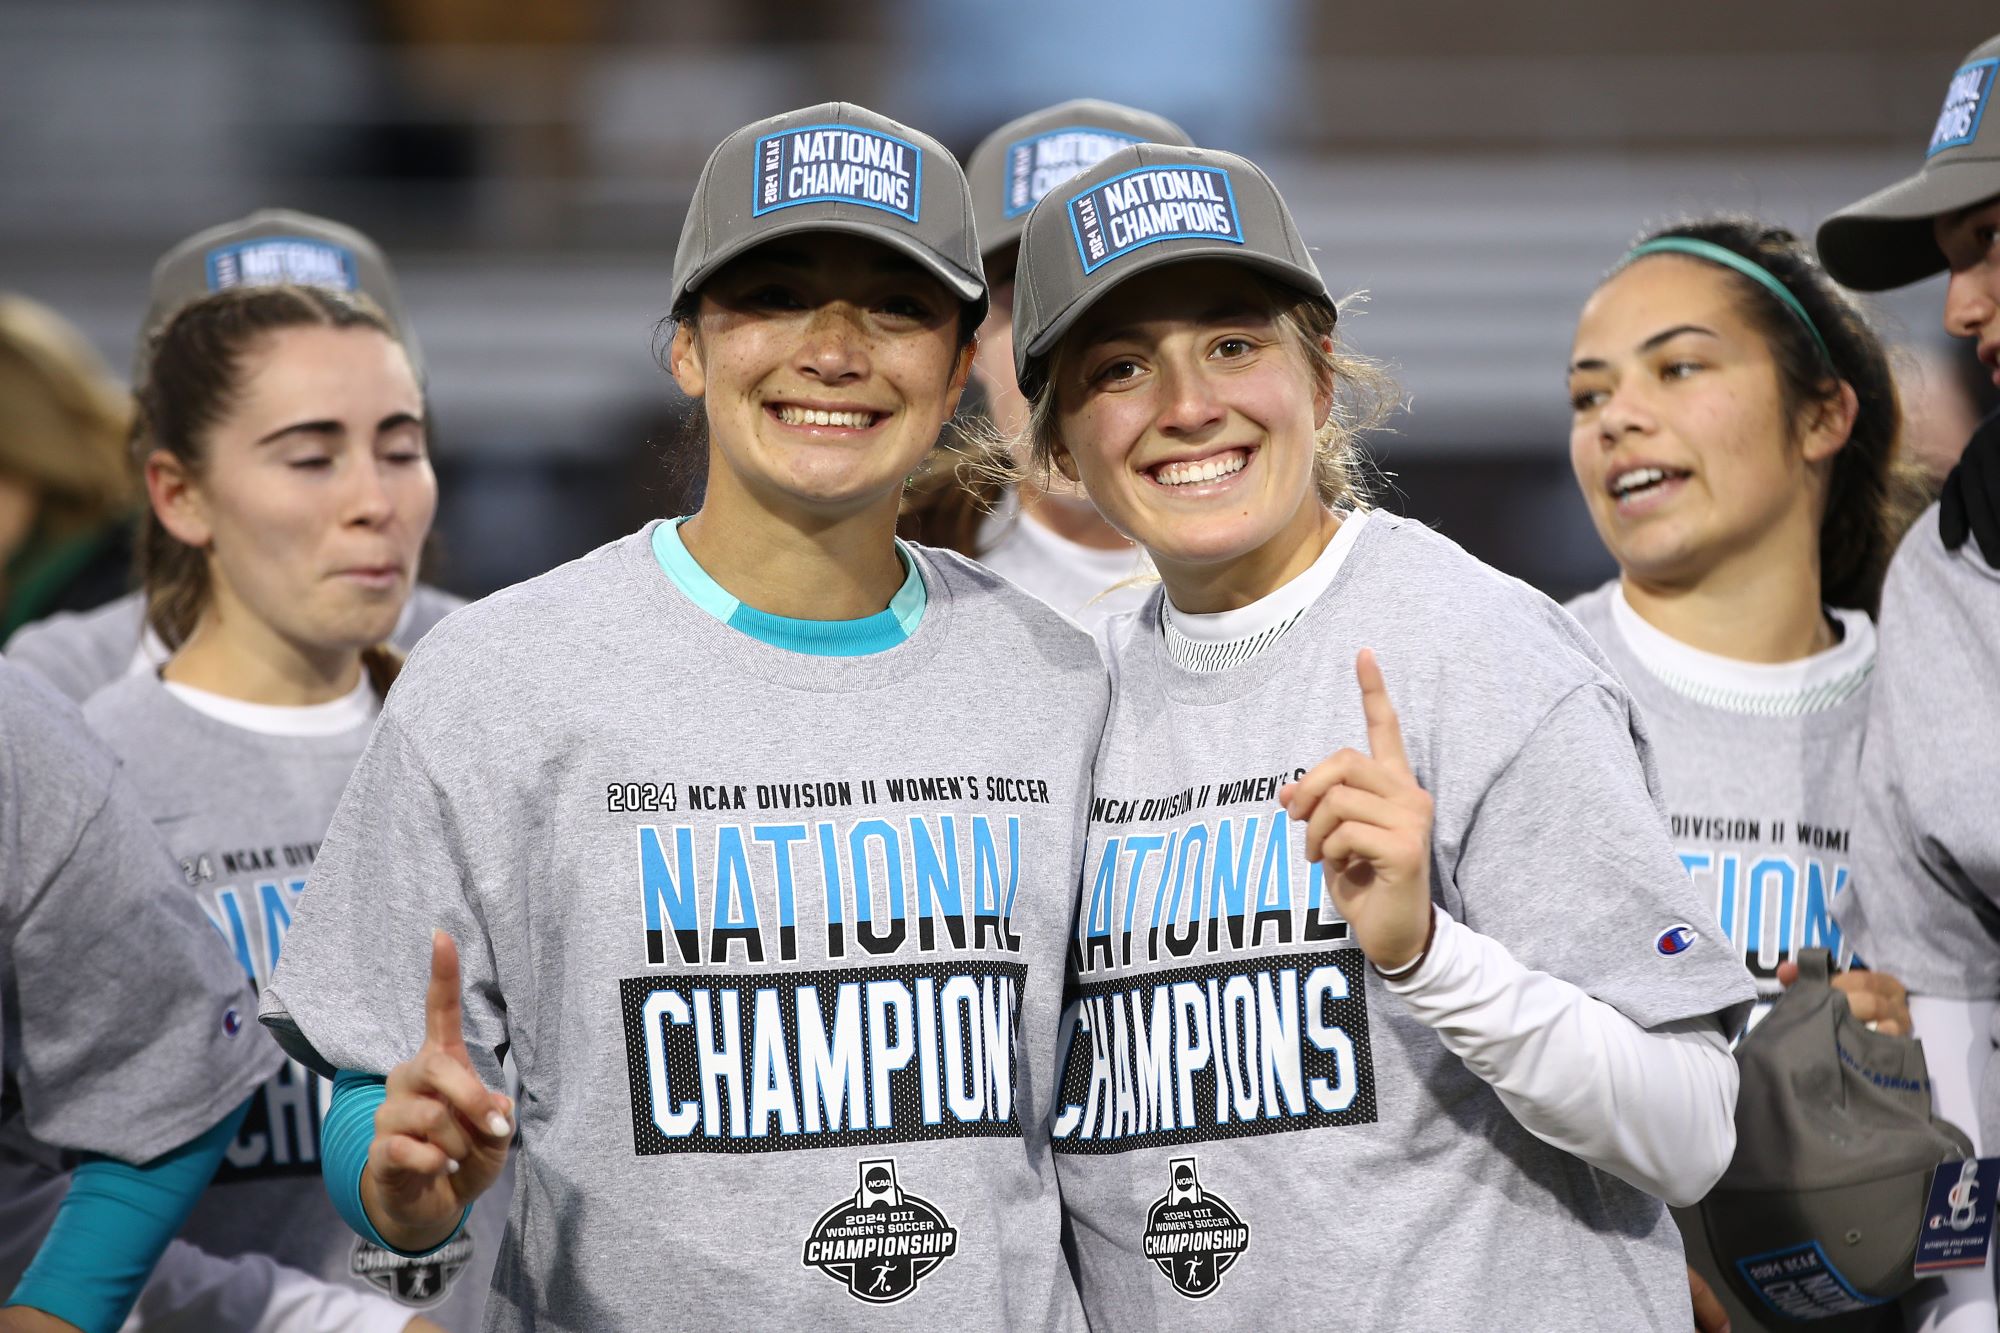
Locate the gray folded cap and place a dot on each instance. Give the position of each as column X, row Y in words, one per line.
column 1024, row 159
column 1886, row 240
column 1142, row 208
column 833, row 167
column 1835, row 1145
column 274, row 245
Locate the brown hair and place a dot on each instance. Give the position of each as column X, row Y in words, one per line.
column 1364, row 396
column 63, row 421
column 192, row 376
column 1873, row 491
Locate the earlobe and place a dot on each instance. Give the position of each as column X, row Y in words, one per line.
column 1834, row 426
column 176, row 501
column 684, row 360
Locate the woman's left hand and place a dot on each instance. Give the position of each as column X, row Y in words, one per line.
column 1370, row 823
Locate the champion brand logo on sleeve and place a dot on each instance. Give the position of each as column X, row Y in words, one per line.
column 1675, row 939
column 1964, row 105
column 838, row 164
column 1038, row 164
column 1153, row 204
column 275, row 259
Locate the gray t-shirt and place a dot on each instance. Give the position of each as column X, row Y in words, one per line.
column 1761, row 806
column 243, row 813
column 80, row 652
column 776, row 942
column 124, row 1024
column 1245, row 1118
column 1926, row 906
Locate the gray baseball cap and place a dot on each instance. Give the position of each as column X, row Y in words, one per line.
column 274, row 245
column 1024, row 159
column 832, row 167
column 1142, row 208
column 1835, row 1146
column 1886, row 240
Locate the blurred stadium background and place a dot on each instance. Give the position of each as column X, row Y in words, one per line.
column 1473, row 167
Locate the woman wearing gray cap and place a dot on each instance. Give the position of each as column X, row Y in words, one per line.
column 714, row 844
column 1447, row 992
column 1927, row 882
column 1049, row 540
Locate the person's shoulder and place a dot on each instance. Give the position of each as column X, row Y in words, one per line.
column 519, row 617
column 80, row 651
column 1592, row 609
column 427, row 606
column 1924, row 571
column 996, row 612
column 43, row 734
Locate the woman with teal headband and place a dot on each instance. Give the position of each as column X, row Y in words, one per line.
column 1734, row 433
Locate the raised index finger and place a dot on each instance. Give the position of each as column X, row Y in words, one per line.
column 444, row 1024
column 1385, row 733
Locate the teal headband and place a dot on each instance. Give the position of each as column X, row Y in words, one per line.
column 1749, row 268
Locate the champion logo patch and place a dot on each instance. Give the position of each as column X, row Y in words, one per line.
column 1675, row 939
column 1153, row 204
column 232, row 1022
column 275, row 259
column 1038, row 164
column 1964, row 106
column 838, row 164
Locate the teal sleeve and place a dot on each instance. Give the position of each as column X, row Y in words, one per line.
column 113, row 1225
column 344, row 1136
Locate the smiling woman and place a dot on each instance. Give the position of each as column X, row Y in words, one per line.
column 660, row 801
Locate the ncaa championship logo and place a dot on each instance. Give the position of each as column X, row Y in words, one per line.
column 1193, row 1235
column 882, row 1242
column 415, row 1282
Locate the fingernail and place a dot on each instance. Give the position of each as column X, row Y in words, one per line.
column 451, row 1166
column 498, row 1126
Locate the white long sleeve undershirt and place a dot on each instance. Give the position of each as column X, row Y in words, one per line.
column 1655, row 1107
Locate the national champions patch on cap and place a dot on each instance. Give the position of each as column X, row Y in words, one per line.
column 839, row 164
column 1040, row 162
column 1151, row 204
column 269, row 260
column 1964, row 105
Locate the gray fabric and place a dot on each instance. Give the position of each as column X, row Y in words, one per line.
column 1030, row 155
column 273, row 245
column 484, row 805
column 832, row 167
column 1926, row 905
column 1761, row 809
column 1140, row 208
column 1404, row 1196
column 1886, row 239
column 243, row 813
column 81, row 652
column 124, row 1024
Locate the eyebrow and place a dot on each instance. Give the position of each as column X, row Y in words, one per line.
column 330, row 427
column 1663, row 336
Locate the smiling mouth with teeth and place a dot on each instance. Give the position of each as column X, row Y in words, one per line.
column 860, row 419
column 1208, row 469
column 1642, row 479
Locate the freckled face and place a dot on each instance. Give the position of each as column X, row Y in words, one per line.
column 1678, row 433
column 827, row 365
column 1190, row 418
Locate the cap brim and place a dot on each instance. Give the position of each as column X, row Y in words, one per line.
column 966, row 287
column 1162, row 254
column 1886, row 240
column 1868, row 1230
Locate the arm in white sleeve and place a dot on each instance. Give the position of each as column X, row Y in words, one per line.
column 1654, row 1107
